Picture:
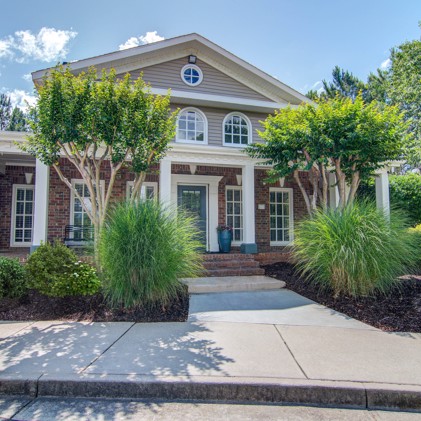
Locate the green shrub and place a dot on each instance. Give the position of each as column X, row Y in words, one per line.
column 55, row 271
column 357, row 251
column 13, row 278
column 405, row 194
column 144, row 249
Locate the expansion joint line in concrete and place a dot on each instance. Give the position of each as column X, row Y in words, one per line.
column 292, row 355
column 105, row 350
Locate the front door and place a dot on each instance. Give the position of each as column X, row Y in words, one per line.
column 193, row 200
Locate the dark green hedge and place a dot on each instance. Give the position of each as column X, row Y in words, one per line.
column 405, row 194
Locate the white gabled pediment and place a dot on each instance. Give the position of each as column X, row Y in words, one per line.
column 176, row 48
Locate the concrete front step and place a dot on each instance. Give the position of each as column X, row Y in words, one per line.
column 231, row 283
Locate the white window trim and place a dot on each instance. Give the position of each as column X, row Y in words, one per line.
column 249, row 127
column 13, row 216
column 145, row 184
column 205, row 128
column 72, row 195
column 198, row 69
column 291, row 215
column 240, row 188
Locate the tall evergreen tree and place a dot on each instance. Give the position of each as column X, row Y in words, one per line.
column 18, row 121
column 5, row 111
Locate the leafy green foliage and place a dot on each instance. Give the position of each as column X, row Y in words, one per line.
column 5, row 111
column 74, row 111
column 12, row 118
column 94, row 121
column 405, row 194
column 18, row 121
column 348, row 135
column 343, row 84
column 404, row 90
column 144, row 249
column 55, row 271
column 13, row 278
column 357, row 251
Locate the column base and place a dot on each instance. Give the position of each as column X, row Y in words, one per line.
column 248, row 248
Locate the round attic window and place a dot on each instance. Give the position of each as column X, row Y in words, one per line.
column 191, row 75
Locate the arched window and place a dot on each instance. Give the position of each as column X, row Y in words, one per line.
column 236, row 129
column 191, row 126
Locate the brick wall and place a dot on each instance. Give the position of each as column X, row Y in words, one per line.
column 262, row 215
column 13, row 175
column 262, row 197
column 59, row 207
column 59, row 194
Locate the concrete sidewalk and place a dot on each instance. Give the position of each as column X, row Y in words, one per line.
column 363, row 368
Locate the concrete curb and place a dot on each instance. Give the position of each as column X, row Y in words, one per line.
column 291, row 391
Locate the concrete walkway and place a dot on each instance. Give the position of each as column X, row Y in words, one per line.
column 324, row 365
column 282, row 306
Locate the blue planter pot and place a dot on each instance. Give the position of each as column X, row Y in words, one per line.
column 224, row 240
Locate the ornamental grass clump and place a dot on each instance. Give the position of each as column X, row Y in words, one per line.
column 144, row 249
column 356, row 251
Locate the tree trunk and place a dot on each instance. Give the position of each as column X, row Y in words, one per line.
column 303, row 192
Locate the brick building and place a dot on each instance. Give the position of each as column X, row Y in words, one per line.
column 221, row 100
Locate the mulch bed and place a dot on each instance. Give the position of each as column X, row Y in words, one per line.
column 398, row 311
column 35, row 306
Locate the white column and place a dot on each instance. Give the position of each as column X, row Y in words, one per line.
column 42, row 182
column 165, row 181
column 382, row 192
column 213, row 215
column 333, row 191
column 249, row 232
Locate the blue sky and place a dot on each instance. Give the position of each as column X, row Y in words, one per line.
column 297, row 41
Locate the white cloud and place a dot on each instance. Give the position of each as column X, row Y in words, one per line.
column 20, row 98
column 27, row 77
column 5, row 47
column 386, row 64
column 317, row 86
column 141, row 40
column 49, row 44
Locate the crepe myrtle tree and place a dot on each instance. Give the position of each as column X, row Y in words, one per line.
column 96, row 122
column 342, row 136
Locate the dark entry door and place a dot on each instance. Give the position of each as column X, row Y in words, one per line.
column 193, row 200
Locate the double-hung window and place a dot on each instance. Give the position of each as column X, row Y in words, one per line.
column 149, row 190
column 78, row 214
column 281, row 218
column 22, row 215
column 234, row 212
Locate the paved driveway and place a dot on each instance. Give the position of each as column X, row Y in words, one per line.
column 280, row 307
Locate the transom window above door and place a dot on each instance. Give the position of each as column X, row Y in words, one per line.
column 236, row 129
column 191, row 126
